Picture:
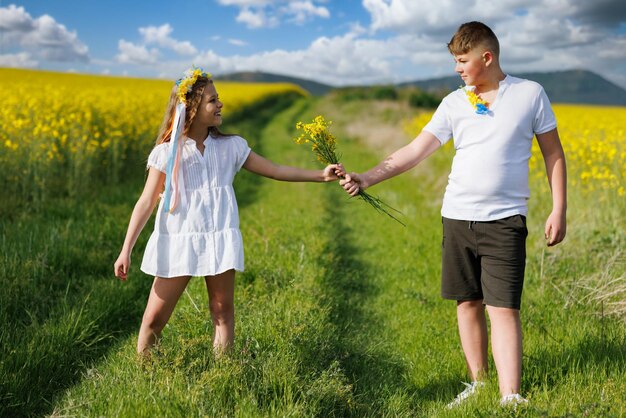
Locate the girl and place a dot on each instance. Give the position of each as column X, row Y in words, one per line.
column 197, row 225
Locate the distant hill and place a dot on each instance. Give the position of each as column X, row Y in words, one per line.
column 574, row 86
column 313, row 87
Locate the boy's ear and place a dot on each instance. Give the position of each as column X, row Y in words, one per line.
column 487, row 57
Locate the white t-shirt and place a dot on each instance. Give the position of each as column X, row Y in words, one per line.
column 489, row 176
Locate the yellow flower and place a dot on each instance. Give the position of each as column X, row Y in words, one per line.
column 80, row 108
column 323, row 144
column 477, row 103
column 10, row 145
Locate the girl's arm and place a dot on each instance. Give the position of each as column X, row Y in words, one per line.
column 554, row 159
column 264, row 167
column 400, row 161
column 141, row 214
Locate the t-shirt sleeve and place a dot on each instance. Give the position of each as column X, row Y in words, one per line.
column 439, row 124
column 242, row 150
column 544, row 120
column 158, row 158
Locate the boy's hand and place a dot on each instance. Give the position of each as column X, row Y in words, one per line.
column 340, row 171
column 353, row 183
column 555, row 228
column 121, row 266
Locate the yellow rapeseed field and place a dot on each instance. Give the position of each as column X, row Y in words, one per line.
column 594, row 141
column 61, row 132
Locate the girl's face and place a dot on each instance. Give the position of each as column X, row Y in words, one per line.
column 209, row 111
column 471, row 66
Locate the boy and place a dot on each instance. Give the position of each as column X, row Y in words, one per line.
column 493, row 121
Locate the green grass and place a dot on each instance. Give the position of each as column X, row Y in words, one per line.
column 338, row 311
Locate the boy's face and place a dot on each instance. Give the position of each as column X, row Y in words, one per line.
column 471, row 66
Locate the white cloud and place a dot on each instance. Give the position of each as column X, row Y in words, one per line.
column 411, row 16
column 237, row 42
column 257, row 14
column 537, row 35
column 131, row 53
column 300, row 11
column 615, row 49
column 552, row 23
column 160, row 35
column 255, row 19
column 404, row 40
column 339, row 60
column 246, row 3
column 357, row 57
column 43, row 37
column 19, row 60
column 605, row 13
column 15, row 19
column 545, row 33
column 142, row 53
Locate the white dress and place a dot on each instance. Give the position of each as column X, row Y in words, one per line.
column 203, row 238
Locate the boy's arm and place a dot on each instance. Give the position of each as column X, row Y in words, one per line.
column 400, row 161
column 264, row 167
column 554, row 159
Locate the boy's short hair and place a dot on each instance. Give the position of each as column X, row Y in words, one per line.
column 470, row 36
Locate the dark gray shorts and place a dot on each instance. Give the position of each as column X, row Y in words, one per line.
column 484, row 260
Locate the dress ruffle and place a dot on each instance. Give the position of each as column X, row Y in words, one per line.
column 200, row 254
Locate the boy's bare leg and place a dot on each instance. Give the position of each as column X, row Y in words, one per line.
column 161, row 303
column 473, row 333
column 506, row 344
column 221, row 289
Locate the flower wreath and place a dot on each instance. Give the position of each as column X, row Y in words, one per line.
column 185, row 83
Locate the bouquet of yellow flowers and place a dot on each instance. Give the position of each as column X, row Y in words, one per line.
column 323, row 144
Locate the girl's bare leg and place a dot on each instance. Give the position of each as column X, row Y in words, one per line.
column 221, row 289
column 161, row 303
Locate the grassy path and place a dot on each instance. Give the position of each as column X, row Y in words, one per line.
column 338, row 311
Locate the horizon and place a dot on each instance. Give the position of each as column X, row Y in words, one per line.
column 296, row 77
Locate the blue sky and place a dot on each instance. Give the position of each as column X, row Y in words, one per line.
column 330, row 41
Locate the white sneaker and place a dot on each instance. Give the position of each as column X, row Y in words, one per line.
column 471, row 389
column 513, row 400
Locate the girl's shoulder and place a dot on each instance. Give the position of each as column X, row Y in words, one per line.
column 158, row 156
column 227, row 137
column 159, row 149
column 234, row 141
column 164, row 146
column 237, row 147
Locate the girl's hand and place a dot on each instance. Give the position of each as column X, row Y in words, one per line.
column 121, row 266
column 331, row 172
column 353, row 183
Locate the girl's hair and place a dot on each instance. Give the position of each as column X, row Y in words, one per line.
column 193, row 101
column 471, row 35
